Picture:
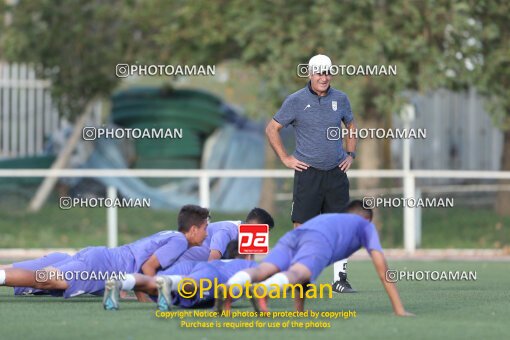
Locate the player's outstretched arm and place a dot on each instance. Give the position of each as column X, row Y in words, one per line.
column 151, row 266
column 381, row 267
column 142, row 297
column 214, row 255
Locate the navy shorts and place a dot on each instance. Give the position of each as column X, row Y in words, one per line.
column 319, row 192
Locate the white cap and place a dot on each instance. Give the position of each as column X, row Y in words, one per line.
column 319, row 63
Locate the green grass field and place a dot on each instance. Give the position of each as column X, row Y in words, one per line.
column 444, row 310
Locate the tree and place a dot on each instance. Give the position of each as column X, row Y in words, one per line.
column 75, row 44
column 482, row 38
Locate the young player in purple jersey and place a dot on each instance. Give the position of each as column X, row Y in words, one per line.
column 301, row 255
column 147, row 255
column 219, row 234
column 163, row 288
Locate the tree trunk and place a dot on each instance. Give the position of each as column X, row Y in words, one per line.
column 503, row 198
column 61, row 162
column 370, row 154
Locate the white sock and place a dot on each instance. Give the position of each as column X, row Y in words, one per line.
column 175, row 281
column 128, row 283
column 239, row 278
column 2, row 277
column 278, row 279
column 339, row 267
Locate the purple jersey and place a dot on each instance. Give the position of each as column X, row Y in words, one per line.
column 346, row 233
column 219, row 234
column 166, row 245
column 197, row 253
column 322, row 241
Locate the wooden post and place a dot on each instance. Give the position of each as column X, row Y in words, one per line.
column 47, row 185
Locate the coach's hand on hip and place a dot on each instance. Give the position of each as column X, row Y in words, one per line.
column 346, row 163
column 293, row 163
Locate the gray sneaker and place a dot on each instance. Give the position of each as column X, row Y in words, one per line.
column 164, row 285
column 111, row 295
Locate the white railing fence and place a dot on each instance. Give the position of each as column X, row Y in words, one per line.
column 27, row 112
column 411, row 231
column 28, row 115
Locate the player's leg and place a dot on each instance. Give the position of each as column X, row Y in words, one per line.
column 336, row 199
column 297, row 274
column 311, row 257
column 299, row 297
column 24, row 271
column 255, row 274
column 340, row 283
column 37, row 264
column 46, row 279
column 277, row 260
column 240, row 280
column 307, row 196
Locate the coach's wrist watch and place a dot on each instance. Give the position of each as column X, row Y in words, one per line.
column 352, row 154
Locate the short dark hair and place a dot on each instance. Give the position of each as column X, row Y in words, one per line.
column 191, row 215
column 356, row 207
column 262, row 216
column 232, row 250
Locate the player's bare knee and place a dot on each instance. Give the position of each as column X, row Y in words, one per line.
column 51, row 284
column 149, row 286
column 265, row 270
column 254, row 273
column 299, row 274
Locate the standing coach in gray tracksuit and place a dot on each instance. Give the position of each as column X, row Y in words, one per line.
column 320, row 162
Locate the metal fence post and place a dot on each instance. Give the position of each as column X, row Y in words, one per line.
column 408, row 112
column 111, row 213
column 417, row 220
column 409, row 215
column 204, row 190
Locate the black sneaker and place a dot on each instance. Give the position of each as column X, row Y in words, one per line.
column 342, row 285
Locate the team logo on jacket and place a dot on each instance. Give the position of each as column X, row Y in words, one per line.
column 333, row 105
